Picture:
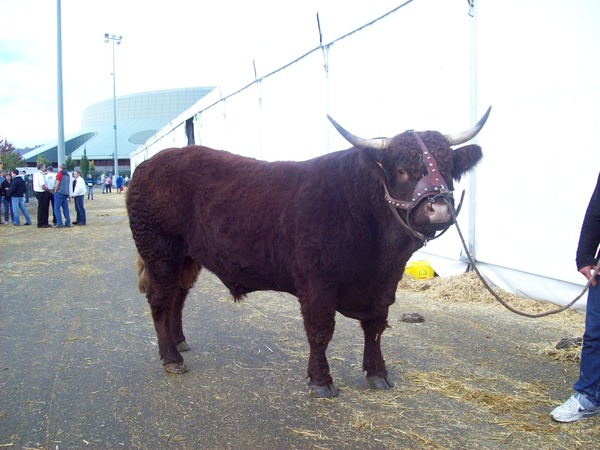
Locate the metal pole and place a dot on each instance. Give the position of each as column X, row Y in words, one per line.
column 115, row 110
column 59, row 89
column 473, row 84
column 114, row 39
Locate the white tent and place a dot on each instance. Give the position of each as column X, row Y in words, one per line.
column 438, row 64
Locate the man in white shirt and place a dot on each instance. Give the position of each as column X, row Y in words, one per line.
column 50, row 182
column 78, row 193
column 43, row 195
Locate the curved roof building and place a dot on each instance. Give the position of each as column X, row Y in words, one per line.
column 139, row 116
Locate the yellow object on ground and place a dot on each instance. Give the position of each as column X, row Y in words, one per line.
column 419, row 270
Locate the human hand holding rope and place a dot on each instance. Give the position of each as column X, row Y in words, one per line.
column 590, row 273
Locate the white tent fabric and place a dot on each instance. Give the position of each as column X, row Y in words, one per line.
column 430, row 65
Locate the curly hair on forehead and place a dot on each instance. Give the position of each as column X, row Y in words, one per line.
column 411, row 156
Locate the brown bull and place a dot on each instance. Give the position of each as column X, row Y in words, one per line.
column 335, row 231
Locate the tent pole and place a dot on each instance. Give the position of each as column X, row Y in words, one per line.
column 472, row 242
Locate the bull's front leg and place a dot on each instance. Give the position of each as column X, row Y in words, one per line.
column 373, row 362
column 319, row 323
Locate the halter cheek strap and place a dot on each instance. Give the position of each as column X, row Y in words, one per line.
column 430, row 186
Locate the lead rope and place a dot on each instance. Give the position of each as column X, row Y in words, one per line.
column 497, row 297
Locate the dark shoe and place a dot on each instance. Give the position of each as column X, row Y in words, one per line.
column 45, row 226
column 28, row 223
column 68, row 226
column 81, row 224
column 75, row 223
column 60, row 225
column 16, row 224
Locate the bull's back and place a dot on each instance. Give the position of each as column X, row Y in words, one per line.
column 230, row 213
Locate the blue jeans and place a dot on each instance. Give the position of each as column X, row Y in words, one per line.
column 18, row 204
column 61, row 200
column 7, row 208
column 90, row 192
column 589, row 368
column 79, row 209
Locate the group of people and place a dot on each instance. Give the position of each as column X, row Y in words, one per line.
column 107, row 183
column 49, row 189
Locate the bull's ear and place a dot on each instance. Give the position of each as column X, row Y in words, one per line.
column 464, row 159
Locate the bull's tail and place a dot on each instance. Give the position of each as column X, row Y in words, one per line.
column 187, row 276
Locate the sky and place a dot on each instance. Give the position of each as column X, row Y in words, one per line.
column 165, row 45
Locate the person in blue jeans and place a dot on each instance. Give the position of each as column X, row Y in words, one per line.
column 16, row 191
column 90, row 183
column 62, row 192
column 586, row 400
column 78, row 194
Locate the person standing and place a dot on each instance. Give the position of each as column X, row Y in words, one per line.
column 108, row 185
column 78, row 194
column 17, row 191
column 102, row 181
column 2, row 179
column 6, row 198
column 50, row 182
column 43, row 195
column 119, row 184
column 62, row 192
column 90, row 186
column 27, row 179
column 586, row 400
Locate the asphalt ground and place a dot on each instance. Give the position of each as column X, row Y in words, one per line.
column 79, row 365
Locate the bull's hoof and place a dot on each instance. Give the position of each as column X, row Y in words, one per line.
column 327, row 391
column 176, row 368
column 183, row 347
column 380, row 383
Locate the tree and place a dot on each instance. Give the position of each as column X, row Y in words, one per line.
column 41, row 159
column 70, row 163
column 9, row 156
column 84, row 164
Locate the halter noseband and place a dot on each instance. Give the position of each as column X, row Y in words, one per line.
column 431, row 186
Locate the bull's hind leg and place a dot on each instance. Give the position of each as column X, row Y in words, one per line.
column 161, row 303
column 177, row 321
column 373, row 362
column 187, row 277
column 166, row 297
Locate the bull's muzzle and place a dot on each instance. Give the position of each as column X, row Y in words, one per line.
column 438, row 211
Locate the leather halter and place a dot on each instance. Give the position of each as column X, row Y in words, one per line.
column 431, row 186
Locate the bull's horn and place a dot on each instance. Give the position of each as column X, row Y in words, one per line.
column 465, row 136
column 377, row 144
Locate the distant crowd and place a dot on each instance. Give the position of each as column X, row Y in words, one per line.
column 53, row 193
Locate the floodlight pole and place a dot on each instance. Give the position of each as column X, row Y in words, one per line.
column 117, row 40
column 59, row 89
